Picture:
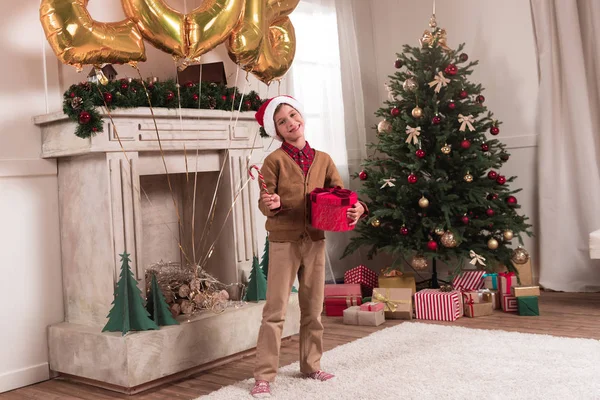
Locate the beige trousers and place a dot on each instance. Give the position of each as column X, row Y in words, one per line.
column 305, row 259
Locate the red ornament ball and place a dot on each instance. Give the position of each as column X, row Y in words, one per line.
column 224, row 98
column 480, row 99
column 72, row 94
column 170, row 96
column 463, row 57
column 451, row 105
column 492, row 196
column 362, row 175
column 492, row 174
column 151, row 86
column 94, row 129
column 500, row 180
column 412, row 178
column 404, row 231
column 494, row 130
column 436, row 120
column 420, row 153
column 432, row 245
column 247, row 104
column 398, row 63
column 108, row 97
column 232, row 96
column 463, row 94
column 490, row 212
column 465, row 220
column 189, row 84
column 451, row 69
column 84, row 117
column 465, row 144
column 395, row 112
column 511, row 200
column 504, row 157
column 195, row 97
column 485, row 147
column 124, row 86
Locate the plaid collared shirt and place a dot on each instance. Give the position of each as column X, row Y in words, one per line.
column 304, row 158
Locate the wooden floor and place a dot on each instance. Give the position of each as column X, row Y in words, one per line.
column 563, row 314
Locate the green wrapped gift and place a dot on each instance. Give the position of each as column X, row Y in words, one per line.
column 528, row 305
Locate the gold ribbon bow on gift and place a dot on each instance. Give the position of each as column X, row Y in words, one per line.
column 413, row 134
column 388, row 182
column 437, row 37
column 466, row 122
column 390, row 305
column 476, row 258
column 439, row 81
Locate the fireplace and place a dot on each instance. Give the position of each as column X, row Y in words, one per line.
column 118, row 193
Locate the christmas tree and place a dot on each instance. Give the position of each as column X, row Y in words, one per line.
column 128, row 312
column 434, row 180
column 264, row 264
column 157, row 306
column 257, row 284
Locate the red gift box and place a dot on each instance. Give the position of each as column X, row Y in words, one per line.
column 439, row 306
column 469, row 280
column 509, row 303
column 335, row 305
column 328, row 209
column 342, row 290
column 365, row 277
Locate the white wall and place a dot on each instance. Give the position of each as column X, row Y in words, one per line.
column 497, row 33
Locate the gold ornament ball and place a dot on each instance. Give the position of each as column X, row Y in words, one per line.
column 520, row 255
column 446, row 149
column 419, row 263
column 417, row 112
column 384, row 126
column 492, row 244
column 508, row 234
column 468, row 178
column 448, row 239
column 423, row 202
column 439, row 231
column 376, row 223
column 409, row 85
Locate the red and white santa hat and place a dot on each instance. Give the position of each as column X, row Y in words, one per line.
column 266, row 113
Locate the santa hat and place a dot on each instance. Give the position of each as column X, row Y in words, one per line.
column 266, row 113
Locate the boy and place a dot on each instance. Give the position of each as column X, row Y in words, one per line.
column 295, row 247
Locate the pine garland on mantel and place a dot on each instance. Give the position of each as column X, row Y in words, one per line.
column 81, row 100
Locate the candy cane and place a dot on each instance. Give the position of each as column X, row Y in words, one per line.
column 261, row 178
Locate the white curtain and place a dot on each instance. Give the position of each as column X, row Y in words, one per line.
column 568, row 124
column 325, row 78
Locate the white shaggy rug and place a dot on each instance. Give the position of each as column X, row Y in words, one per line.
column 425, row 361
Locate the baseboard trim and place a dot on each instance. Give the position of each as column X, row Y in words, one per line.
column 24, row 377
column 27, row 167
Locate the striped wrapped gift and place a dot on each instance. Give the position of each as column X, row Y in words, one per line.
column 436, row 305
column 469, row 280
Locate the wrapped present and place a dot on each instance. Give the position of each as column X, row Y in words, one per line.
column 522, row 291
column 473, row 309
column 397, row 302
column 495, row 297
column 328, row 207
column 372, row 306
column 490, row 280
column 509, row 303
column 506, row 280
column 478, row 296
column 335, row 305
column 350, row 315
column 528, row 305
column 365, row 277
column 469, row 280
column 368, row 318
column 440, row 306
column 342, row 290
column 524, row 272
column 397, row 279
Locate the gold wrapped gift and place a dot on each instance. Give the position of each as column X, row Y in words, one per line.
column 406, row 280
column 398, row 302
column 521, row 291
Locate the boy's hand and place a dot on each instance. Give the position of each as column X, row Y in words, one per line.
column 271, row 201
column 354, row 213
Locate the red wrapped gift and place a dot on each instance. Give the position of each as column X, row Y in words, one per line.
column 342, row 290
column 335, row 305
column 436, row 305
column 509, row 303
column 328, row 209
column 365, row 277
column 506, row 280
column 469, row 280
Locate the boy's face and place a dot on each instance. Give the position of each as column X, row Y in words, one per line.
column 289, row 123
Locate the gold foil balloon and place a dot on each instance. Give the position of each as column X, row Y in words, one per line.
column 264, row 40
column 77, row 39
column 520, row 255
column 419, row 263
column 448, row 240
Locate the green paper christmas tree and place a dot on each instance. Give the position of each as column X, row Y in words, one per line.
column 128, row 312
column 265, row 259
column 257, row 284
column 157, row 306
